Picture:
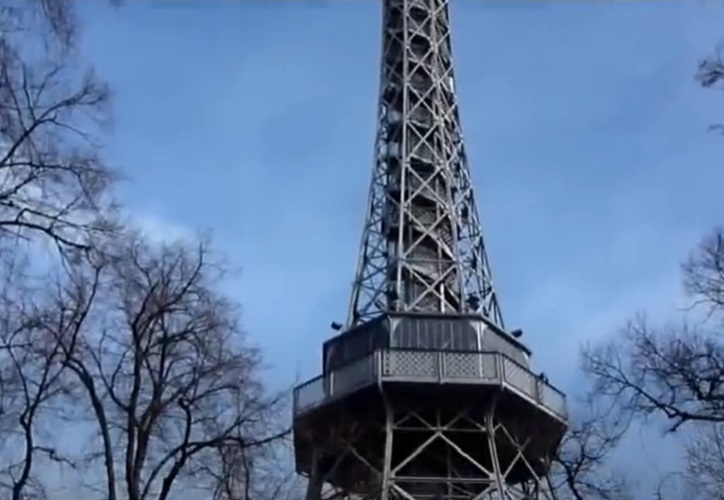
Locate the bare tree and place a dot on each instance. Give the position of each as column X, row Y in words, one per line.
column 705, row 461
column 259, row 473
column 53, row 189
column 581, row 469
column 710, row 70
column 170, row 384
column 704, row 273
column 710, row 74
column 23, row 388
column 51, row 25
column 51, row 22
column 53, row 182
column 31, row 380
column 674, row 372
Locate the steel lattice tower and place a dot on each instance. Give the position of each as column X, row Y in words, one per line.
column 424, row 394
column 422, row 245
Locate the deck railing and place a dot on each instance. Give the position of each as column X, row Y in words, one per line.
column 391, row 365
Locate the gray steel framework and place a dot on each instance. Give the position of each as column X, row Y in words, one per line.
column 424, row 395
column 416, row 425
column 440, row 466
column 422, row 247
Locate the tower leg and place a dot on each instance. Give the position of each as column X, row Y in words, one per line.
column 315, row 482
column 432, row 453
column 387, row 477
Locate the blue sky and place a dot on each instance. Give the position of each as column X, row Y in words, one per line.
column 587, row 135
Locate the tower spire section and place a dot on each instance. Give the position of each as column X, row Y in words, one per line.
column 422, row 248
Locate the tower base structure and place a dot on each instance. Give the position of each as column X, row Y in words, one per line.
column 414, row 424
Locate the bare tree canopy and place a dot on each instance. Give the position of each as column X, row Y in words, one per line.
column 581, row 469
column 128, row 346
column 676, row 372
column 153, row 362
column 53, row 182
column 161, row 356
column 710, row 71
column 52, row 22
column 30, row 382
column 53, row 190
column 705, row 464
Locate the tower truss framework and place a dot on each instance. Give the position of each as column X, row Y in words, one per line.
column 410, row 424
column 422, row 246
column 441, row 458
column 424, row 394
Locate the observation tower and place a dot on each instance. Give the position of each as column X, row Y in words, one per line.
column 424, row 393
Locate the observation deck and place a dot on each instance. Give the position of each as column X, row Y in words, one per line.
column 456, row 364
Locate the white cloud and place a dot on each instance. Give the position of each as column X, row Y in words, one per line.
column 159, row 229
